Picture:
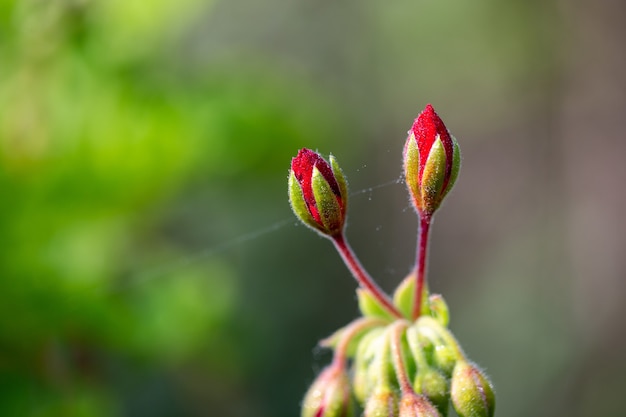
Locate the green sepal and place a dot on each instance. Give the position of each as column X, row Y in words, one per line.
column 298, row 205
column 433, row 176
column 404, row 295
column 439, row 309
column 411, row 168
column 370, row 306
column 456, row 166
column 341, row 181
column 327, row 204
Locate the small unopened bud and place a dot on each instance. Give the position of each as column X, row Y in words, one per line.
column 416, row 405
column 382, row 403
column 438, row 343
column 431, row 161
column 329, row 395
column 434, row 385
column 318, row 192
column 471, row 391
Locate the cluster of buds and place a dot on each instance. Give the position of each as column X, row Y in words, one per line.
column 399, row 359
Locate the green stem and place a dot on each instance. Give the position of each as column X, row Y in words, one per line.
column 398, row 358
column 418, row 353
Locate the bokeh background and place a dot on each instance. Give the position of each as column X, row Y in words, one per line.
column 149, row 262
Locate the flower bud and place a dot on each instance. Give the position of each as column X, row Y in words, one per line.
column 471, row 391
column 434, row 385
column 431, row 161
column 329, row 395
column 417, row 405
column 318, row 192
column 382, row 403
column 440, row 347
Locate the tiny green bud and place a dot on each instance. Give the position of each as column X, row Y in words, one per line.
column 416, row 405
column 382, row 403
column 434, row 385
column 431, row 161
column 318, row 192
column 329, row 395
column 439, row 345
column 471, row 391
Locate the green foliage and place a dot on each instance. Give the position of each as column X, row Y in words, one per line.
column 100, row 135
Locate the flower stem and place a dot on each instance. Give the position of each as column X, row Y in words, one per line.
column 397, row 357
column 420, row 273
column 351, row 331
column 362, row 276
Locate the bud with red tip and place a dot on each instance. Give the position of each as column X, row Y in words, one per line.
column 431, row 161
column 416, row 405
column 382, row 403
column 329, row 395
column 318, row 192
column 471, row 391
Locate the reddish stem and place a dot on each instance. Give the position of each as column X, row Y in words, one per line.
column 353, row 330
column 420, row 273
column 398, row 357
column 362, row 276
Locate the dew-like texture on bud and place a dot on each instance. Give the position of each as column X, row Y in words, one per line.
column 318, row 192
column 382, row 403
column 329, row 395
column 431, row 161
column 471, row 391
column 417, row 405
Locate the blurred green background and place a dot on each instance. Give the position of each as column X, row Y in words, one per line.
column 150, row 265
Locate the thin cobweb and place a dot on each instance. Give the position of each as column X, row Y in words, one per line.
column 189, row 260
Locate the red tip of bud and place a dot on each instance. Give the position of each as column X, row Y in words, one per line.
column 431, row 161
column 302, row 166
column 426, row 127
column 318, row 192
column 329, row 396
column 417, row 405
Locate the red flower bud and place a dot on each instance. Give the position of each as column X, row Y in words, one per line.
column 318, row 192
column 431, row 161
